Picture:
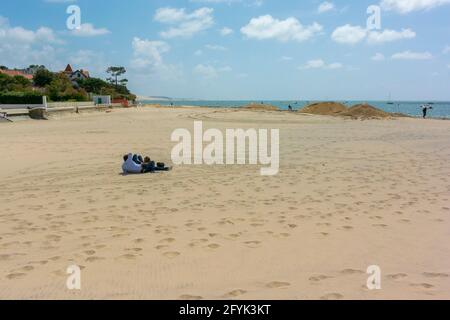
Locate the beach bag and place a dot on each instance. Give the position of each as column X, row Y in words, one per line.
column 160, row 165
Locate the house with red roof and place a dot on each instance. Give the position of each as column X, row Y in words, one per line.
column 76, row 75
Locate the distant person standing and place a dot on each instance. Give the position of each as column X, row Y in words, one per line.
column 290, row 108
column 425, row 109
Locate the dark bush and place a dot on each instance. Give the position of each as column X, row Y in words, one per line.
column 20, row 98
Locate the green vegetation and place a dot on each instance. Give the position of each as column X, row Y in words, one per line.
column 14, row 84
column 115, row 73
column 42, row 78
column 101, row 87
column 20, row 98
column 58, row 87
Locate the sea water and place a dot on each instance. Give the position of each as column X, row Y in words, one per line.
column 441, row 109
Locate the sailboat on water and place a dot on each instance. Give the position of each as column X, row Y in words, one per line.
column 390, row 99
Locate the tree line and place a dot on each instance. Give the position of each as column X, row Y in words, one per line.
column 58, row 87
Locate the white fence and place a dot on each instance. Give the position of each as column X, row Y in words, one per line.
column 20, row 106
column 46, row 104
column 70, row 104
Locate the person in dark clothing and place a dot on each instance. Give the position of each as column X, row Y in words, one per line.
column 425, row 109
column 138, row 159
column 149, row 166
column 290, row 108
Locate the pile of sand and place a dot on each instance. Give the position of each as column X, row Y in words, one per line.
column 365, row 111
column 324, row 108
column 259, row 107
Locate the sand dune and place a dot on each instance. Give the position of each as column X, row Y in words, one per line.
column 349, row 194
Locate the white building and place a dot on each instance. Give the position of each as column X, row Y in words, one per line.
column 99, row 100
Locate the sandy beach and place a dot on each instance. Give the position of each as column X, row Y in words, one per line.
column 349, row 194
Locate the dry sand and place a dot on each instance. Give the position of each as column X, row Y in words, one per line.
column 325, row 108
column 349, row 194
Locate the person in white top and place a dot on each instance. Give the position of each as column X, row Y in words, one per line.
column 129, row 166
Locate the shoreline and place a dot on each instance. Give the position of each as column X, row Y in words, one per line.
column 22, row 114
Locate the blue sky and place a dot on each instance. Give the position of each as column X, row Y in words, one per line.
column 242, row 49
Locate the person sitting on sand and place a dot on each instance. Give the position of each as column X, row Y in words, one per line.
column 134, row 164
column 131, row 166
column 149, row 166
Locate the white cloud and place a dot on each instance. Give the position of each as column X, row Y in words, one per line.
column 266, row 27
column 209, row 71
column 20, row 47
column 407, row 6
column 148, row 54
column 184, row 24
column 349, row 34
column 22, row 35
column 390, row 35
column 148, row 60
column 378, row 57
column 215, row 47
column 320, row 64
column 286, row 58
column 409, row 55
column 88, row 30
column 226, row 31
column 198, row 52
column 325, row 7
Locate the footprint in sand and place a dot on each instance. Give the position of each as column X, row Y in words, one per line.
column 171, row 255
column 277, row 285
column 252, row 244
column 93, row 259
column 381, row 225
column 234, row 294
column 351, row 271
column 397, row 276
column 13, row 276
column 214, row 246
column 422, row 285
column 319, row 278
column 27, row 268
column 332, row 296
column 128, row 256
column 168, row 240
column 4, row 257
column 435, row 275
